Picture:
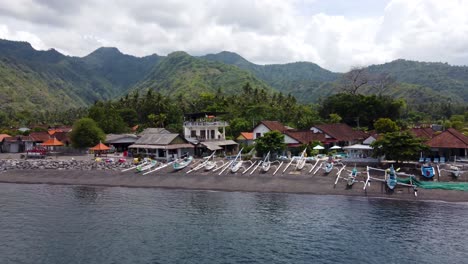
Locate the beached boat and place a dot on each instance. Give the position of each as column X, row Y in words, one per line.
column 182, row 163
column 236, row 166
column 352, row 176
column 427, row 171
column 328, row 167
column 146, row 166
column 209, row 165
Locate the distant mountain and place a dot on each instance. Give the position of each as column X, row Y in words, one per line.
column 53, row 81
column 182, row 74
column 121, row 70
column 48, row 80
column 304, row 80
column 442, row 78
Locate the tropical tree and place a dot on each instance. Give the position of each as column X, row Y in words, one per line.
column 399, row 146
column 385, row 125
column 272, row 141
column 86, row 133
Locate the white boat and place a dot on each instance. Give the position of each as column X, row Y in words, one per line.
column 146, row 166
column 235, row 168
column 266, row 164
column 182, row 163
column 301, row 160
column 209, row 165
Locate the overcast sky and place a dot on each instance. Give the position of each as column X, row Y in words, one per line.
column 336, row 34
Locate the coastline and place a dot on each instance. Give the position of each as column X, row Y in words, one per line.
column 292, row 182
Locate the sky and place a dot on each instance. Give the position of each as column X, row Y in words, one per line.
column 335, row 34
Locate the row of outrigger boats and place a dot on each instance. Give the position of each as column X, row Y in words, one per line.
column 391, row 177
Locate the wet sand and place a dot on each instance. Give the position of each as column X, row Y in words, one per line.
column 289, row 182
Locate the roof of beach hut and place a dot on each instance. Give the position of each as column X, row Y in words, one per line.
column 100, row 146
column 52, row 142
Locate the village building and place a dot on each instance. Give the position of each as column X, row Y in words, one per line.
column 268, row 126
column 17, row 144
column 2, row 136
column 339, row 134
column 120, row 142
column 449, row 144
column 245, row 138
column 159, row 143
column 208, row 133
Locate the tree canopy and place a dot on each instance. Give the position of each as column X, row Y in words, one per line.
column 272, row 141
column 86, row 133
column 399, row 146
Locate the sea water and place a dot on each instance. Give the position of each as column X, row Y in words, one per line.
column 76, row 224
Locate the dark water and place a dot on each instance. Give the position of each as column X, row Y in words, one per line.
column 72, row 224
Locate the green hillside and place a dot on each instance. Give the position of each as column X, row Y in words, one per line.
column 182, row 74
column 304, row 80
column 121, row 70
column 442, row 78
column 48, row 80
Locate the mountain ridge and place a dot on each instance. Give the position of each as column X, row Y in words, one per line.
column 54, row 80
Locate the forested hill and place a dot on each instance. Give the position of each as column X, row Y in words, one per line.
column 121, row 70
column 450, row 81
column 182, row 74
column 305, row 80
column 48, row 80
column 419, row 82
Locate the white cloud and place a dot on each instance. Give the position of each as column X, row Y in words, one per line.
column 262, row 31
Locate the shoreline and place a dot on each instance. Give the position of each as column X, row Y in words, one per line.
column 292, row 182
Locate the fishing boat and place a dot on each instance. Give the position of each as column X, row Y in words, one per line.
column 182, row 162
column 209, row 165
column 352, row 176
column 236, row 166
column 301, row 160
column 266, row 164
column 427, row 171
column 237, row 162
column 146, row 166
column 328, row 167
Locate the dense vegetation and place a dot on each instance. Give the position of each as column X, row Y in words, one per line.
column 46, row 87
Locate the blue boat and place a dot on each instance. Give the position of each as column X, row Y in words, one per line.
column 427, row 171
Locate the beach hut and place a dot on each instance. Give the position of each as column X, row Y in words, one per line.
column 53, row 142
column 99, row 149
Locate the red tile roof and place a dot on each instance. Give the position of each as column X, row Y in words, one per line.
column 274, row 125
column 63, row 136
column 423, row 132
column 39, row 136
column 341, row 132
column 2, row 136
column 305, row 137
column 247, row 135
column 450, row 138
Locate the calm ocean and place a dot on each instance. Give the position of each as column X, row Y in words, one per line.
column 75, row 224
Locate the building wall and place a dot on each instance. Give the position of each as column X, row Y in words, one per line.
column 259, row 131
column 198, row 132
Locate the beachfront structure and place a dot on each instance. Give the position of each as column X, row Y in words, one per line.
column 158, row 143
column 207, row 133
column 17, row 144
column 245, row 138
column 448, row 144
column 2, row 136
column 121, row 142
column 339, row 134
column 268, row 126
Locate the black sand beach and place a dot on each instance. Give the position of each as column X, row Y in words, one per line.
column 292, row 182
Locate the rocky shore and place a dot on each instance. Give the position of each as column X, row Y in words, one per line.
column 71, row 164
